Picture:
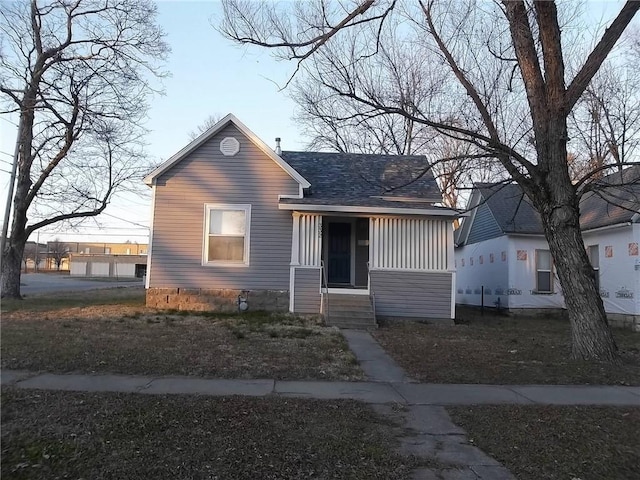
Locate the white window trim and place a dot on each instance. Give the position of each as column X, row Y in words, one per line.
column 538, row 270
column 247, row 237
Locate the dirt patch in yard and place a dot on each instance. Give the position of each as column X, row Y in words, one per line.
column 131, row 339
column 107, row 435
column 557, row 443
column 504, row 350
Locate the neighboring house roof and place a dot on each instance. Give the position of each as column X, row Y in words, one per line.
column 616, row 199
column 211, row 132
column 505, row 209
column 511, row 208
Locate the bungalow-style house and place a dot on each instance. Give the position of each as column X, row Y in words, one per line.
column 503, row 259
column 239, row 225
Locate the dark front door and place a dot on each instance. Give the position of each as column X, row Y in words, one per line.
column 339, row 253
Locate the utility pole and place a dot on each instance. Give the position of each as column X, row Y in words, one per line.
column 7, row 208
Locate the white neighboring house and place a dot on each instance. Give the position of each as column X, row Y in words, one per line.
column 501, row 250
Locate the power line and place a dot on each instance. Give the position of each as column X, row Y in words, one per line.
column 5, row 171
column 9, row 121
column 7, row 154
column 125, row 220
column 94, row 234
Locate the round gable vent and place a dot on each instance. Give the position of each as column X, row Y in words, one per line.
column 229, row 146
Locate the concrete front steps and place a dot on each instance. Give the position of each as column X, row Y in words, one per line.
column 351, row 311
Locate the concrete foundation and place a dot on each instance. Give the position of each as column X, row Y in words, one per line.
column 619, row 320
column 197, row 299
column 616, row 320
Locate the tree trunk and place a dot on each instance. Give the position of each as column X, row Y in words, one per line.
column 590, row 333
column 558, row 205
column 12, row 269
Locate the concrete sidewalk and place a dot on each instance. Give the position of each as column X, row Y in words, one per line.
column 369, row 392
column 429, row 432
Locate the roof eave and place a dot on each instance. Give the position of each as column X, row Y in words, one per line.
column 373, row 210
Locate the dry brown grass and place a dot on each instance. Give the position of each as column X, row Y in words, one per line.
column 132, row 436
column 504, row 350
column 106, row 337
column 557, row 443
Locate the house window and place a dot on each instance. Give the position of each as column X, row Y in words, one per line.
column 544, row 271
column 227, row 234
column 594, row 258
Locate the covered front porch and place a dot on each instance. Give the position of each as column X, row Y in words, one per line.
column 402, row 262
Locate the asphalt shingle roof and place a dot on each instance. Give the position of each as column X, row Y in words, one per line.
column 511, row 208
column 365, row 180
column 616, row 199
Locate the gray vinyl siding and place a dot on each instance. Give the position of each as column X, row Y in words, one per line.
column 306, row 290
column 412, row 294
column 204, row 177
column 484, row 226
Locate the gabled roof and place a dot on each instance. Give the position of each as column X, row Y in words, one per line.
column 364, row 180
column 511, row 208
column 210, row 133
column 615, row 199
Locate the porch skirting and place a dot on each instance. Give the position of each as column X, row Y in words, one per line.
column 306, row 283
column 216, row 300
column 412, row 295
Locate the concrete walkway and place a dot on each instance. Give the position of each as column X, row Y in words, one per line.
column 374, row 361
column 408, row 394
column 426, row 430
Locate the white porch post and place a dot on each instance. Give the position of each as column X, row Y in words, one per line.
column 295, row 257
column 295, row 240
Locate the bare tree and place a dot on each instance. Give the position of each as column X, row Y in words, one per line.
column 336, row 122
column 605, row 125
column 209, row 122
column 30, row 254
column 57, row 251
column 78, row 73
column 504, row 92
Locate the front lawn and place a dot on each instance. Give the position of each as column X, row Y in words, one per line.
column 98, row 334
column 557, row 443
column 503, row 350
column 107, row 435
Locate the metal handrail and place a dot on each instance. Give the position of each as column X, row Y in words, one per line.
column 326, row 288
column 371, row 292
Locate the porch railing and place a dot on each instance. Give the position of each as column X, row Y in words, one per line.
column 324, row 302
column 372, row 294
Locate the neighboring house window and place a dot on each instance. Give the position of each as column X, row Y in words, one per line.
column 107, row 250
column 227, row 234
column 594, row 258
column 544, row 271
